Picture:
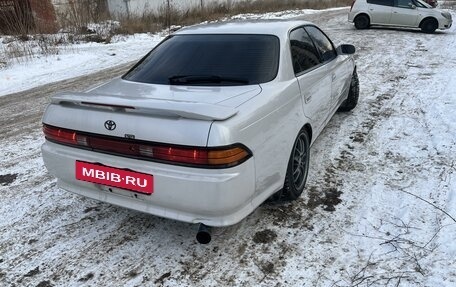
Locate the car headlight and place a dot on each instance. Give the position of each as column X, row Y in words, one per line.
column 446, row 15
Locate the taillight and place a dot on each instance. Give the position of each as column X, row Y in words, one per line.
column 60, row 135
column 205, row 157
column 353, row 3
column 227, row 156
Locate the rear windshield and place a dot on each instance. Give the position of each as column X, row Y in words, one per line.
column 210, row 60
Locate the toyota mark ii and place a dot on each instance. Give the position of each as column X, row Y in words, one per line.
column 212, row 122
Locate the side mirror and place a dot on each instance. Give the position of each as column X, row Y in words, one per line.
column 412, row 6
column 346, row 49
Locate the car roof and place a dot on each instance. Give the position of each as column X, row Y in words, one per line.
column 267, row 27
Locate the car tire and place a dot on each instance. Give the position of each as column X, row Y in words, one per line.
column 297, row 170
column 353, row 95
column 429, row 26
column 362, row 22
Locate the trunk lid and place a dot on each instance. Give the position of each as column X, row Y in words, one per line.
column 158, row 113
column 231, row 96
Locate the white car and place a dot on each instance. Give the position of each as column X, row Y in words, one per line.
column 400, row 13
column 211, row 123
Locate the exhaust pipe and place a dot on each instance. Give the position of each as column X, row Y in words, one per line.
column 203, row 236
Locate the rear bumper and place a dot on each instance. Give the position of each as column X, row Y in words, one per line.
column 215, row 197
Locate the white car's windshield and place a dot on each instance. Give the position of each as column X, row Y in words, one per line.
column 422, row 4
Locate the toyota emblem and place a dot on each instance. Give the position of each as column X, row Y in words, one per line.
column 110, row 125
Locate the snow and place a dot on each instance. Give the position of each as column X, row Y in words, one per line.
column 281, row 14
column 74, row 60
column 392, row 159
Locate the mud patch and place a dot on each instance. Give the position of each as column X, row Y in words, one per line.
column 162, row 278
column 87, row 277
column 265, row 236
column 377, row 110
column 92, row 208
column 132, row 274
column 33, row 240
column 33, row 272
column 329, row 198
column 7, row 179
column 358, row 137
column 45, row 283
column 290, row 215
column 267, row 267
column 241, row 249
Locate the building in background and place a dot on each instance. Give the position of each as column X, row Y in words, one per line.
column 23, row 16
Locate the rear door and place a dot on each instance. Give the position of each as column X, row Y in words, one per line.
column 313, row 77
column 335, row 65
column 404, row 13
column 380, row 11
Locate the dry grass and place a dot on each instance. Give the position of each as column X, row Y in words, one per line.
column 147, row 22
column 80, row 13
column 17, row 50
column 169, row 16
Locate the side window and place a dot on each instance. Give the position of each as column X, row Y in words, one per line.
column 381, row 2
column 303, row 52
column 323, row 44
column 403, row 3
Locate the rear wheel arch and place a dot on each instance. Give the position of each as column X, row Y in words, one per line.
column 297, row 167
column 308, row 128
column 353, row 94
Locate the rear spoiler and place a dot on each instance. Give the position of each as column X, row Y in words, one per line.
column 146, row 106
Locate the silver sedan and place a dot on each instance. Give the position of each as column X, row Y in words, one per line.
column 215, row 120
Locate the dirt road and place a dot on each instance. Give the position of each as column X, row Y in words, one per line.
column 21, row 112
column 356, row 225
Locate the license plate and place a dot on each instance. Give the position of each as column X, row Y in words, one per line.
column 115, row 177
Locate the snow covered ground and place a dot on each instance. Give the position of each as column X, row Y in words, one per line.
column 379, row 208
column 73, row 60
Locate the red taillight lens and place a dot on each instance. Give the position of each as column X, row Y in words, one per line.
column 184, row 155
column 64, row 136
column 60, row 135
column 219, row 157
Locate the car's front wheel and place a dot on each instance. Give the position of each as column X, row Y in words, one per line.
column 362, row 22
column 429, row 26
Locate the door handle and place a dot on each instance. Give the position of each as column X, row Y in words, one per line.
column 334, row 77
